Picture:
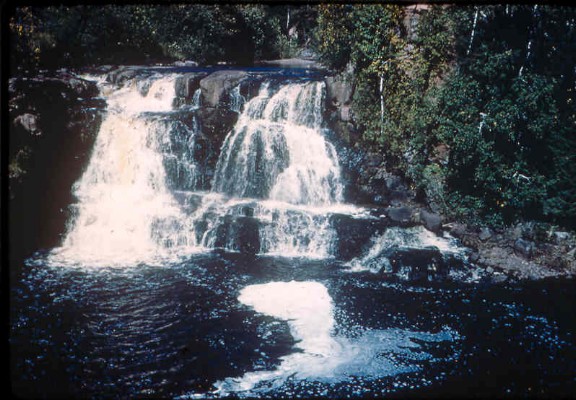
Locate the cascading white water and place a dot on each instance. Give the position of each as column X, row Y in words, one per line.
column 236, row 100
column 277, row 152
column 136, row 199
column 124, row 203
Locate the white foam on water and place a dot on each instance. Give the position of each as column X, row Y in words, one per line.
column 319, row 354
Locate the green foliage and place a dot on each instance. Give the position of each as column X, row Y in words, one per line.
column 498, row 141
column 334, row 33
column 481, row 81
column 59, row 36
column 560, row 204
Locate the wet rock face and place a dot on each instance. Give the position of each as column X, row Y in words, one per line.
column 54, row 120
column 216, row 85
column 187, row 84
column 216, row 115
column 241, row 233
column 416, row 264
column 353, row 235
column 247, row 234
column 122, row 74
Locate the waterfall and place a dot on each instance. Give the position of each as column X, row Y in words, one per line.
column 138, row 201
column 236, row 99
column 197, row 98
column 277, row 150
column 277, row 153
column 124, row 201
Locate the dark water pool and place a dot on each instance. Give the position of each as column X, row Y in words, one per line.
column 180, row 331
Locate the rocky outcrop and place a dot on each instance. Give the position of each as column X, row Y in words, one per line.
column 402, row 215
column 432, row 222
column 339, row 113
column 125, row 73
column 339, row 91
column 247, row 232
column 418, row 265
column 519, row 252
column 369, row 182
column 187, row 84
column 54, row 119
column 218, row 84
column 217, row 115
column 353, row 235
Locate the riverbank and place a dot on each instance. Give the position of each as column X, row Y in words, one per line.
column 525, row 251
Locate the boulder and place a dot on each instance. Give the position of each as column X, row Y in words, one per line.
column 458, row 230
column 524, row 248
column 560, row 237
column 187, row 84
column 431, row 221
column 400, row 214
column 418, row 264
column 354, row 234
column 485, row 234
column 218, row 84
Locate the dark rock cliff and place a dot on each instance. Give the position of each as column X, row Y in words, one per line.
column 54, row 120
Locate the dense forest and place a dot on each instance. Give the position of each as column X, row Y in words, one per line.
column 471, row 104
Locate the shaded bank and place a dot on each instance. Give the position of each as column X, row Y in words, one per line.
column 53, row 122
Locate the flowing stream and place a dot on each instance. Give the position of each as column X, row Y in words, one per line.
column 162, row 288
